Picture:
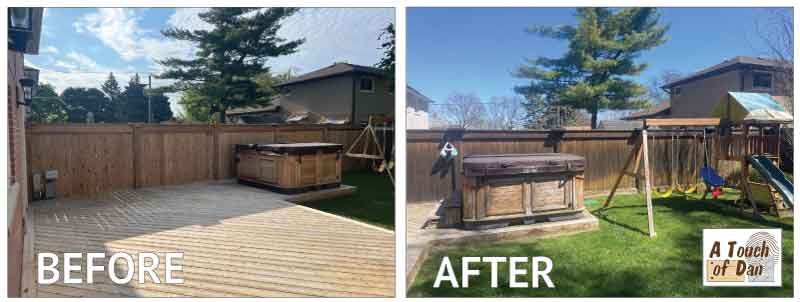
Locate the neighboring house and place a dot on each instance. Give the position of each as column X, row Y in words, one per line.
column 697, row 94
column 24, row 31
column 417, row 109
column 338, row 94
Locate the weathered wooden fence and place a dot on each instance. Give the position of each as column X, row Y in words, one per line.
column 99, row 158
column 605, row 153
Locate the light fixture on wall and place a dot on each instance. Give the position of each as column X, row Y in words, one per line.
column 27, row 91
column 20, row 27
column 20, row 18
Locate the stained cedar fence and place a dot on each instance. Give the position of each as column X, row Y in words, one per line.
column 605, row 152
column 98, row 158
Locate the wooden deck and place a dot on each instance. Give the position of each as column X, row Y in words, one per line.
column 237, row 241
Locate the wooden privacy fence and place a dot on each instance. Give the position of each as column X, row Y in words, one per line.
column 95, row 158
column 605, row 152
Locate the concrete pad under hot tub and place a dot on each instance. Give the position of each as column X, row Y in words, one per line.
column 422, row 238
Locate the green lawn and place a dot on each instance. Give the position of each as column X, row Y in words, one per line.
column 372, row 203
column 620, row 259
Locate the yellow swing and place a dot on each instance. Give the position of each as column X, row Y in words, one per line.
column 664, row 194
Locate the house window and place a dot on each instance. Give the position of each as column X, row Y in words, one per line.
column 366, row 85
column 676, row 91
column 762, row 80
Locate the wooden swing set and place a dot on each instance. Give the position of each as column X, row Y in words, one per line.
column 369, row 145
column 640, row 153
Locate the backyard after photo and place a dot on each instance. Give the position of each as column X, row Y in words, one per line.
column 582, row 152
column 201, row 152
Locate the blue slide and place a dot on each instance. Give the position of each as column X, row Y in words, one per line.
column 775, row 177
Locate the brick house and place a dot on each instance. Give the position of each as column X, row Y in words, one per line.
column 24, row 31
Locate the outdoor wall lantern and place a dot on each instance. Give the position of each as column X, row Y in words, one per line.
column 20, row 26
column 27, row 91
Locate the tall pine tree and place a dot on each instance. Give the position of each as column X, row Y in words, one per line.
column 594, row 72
column 135, row 107
column 114, row 93
column 230, row 56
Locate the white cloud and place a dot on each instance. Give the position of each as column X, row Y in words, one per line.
column 332, row 35
column 65, row 65
column 115, row 27
column 83, row 62
column 118, row 28
column 50, row 50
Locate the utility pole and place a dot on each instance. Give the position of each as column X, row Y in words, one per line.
column 149, row 87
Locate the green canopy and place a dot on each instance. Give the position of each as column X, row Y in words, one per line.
column 751, row 107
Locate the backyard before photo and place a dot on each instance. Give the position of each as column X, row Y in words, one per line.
column 582, row 152
column 201, row 152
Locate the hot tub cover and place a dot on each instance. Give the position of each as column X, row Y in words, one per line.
column 292, row 147
column 509, row 164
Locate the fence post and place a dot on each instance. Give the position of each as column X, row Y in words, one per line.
column 135, row 155
column 216, row 153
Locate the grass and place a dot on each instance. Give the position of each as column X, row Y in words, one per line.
column 620, row 260
column 372, row 203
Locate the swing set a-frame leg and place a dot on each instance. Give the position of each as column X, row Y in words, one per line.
column 635, row 155
column 638, row 153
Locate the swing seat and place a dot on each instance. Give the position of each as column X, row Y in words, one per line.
column 688, row 190
column 711, row 177
column 664, row 194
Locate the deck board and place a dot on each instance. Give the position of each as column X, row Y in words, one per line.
column 237, row 241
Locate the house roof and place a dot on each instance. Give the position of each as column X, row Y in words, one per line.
column 332, row 70
column 655, row 110
column 411, row 92
column 727, row 65
column 417, row 100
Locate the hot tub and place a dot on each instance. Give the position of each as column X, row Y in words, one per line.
column 290, row 168
column 501, row 190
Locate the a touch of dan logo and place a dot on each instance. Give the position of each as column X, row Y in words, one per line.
column 742, row 257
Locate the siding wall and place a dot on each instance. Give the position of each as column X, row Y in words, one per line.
column 379, row 102
column 331, row 95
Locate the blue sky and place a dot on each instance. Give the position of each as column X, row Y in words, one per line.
column 476, row 49
column 81, row 45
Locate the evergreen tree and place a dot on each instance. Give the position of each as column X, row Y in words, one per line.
column 160, row 107
column 80, row 102
column 112, row 90
column 594, row 72
column 135, row 104
column 387, row 61
column 230, row 56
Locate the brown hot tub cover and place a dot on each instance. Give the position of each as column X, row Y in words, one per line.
column 510, row 164
column 292, row 148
